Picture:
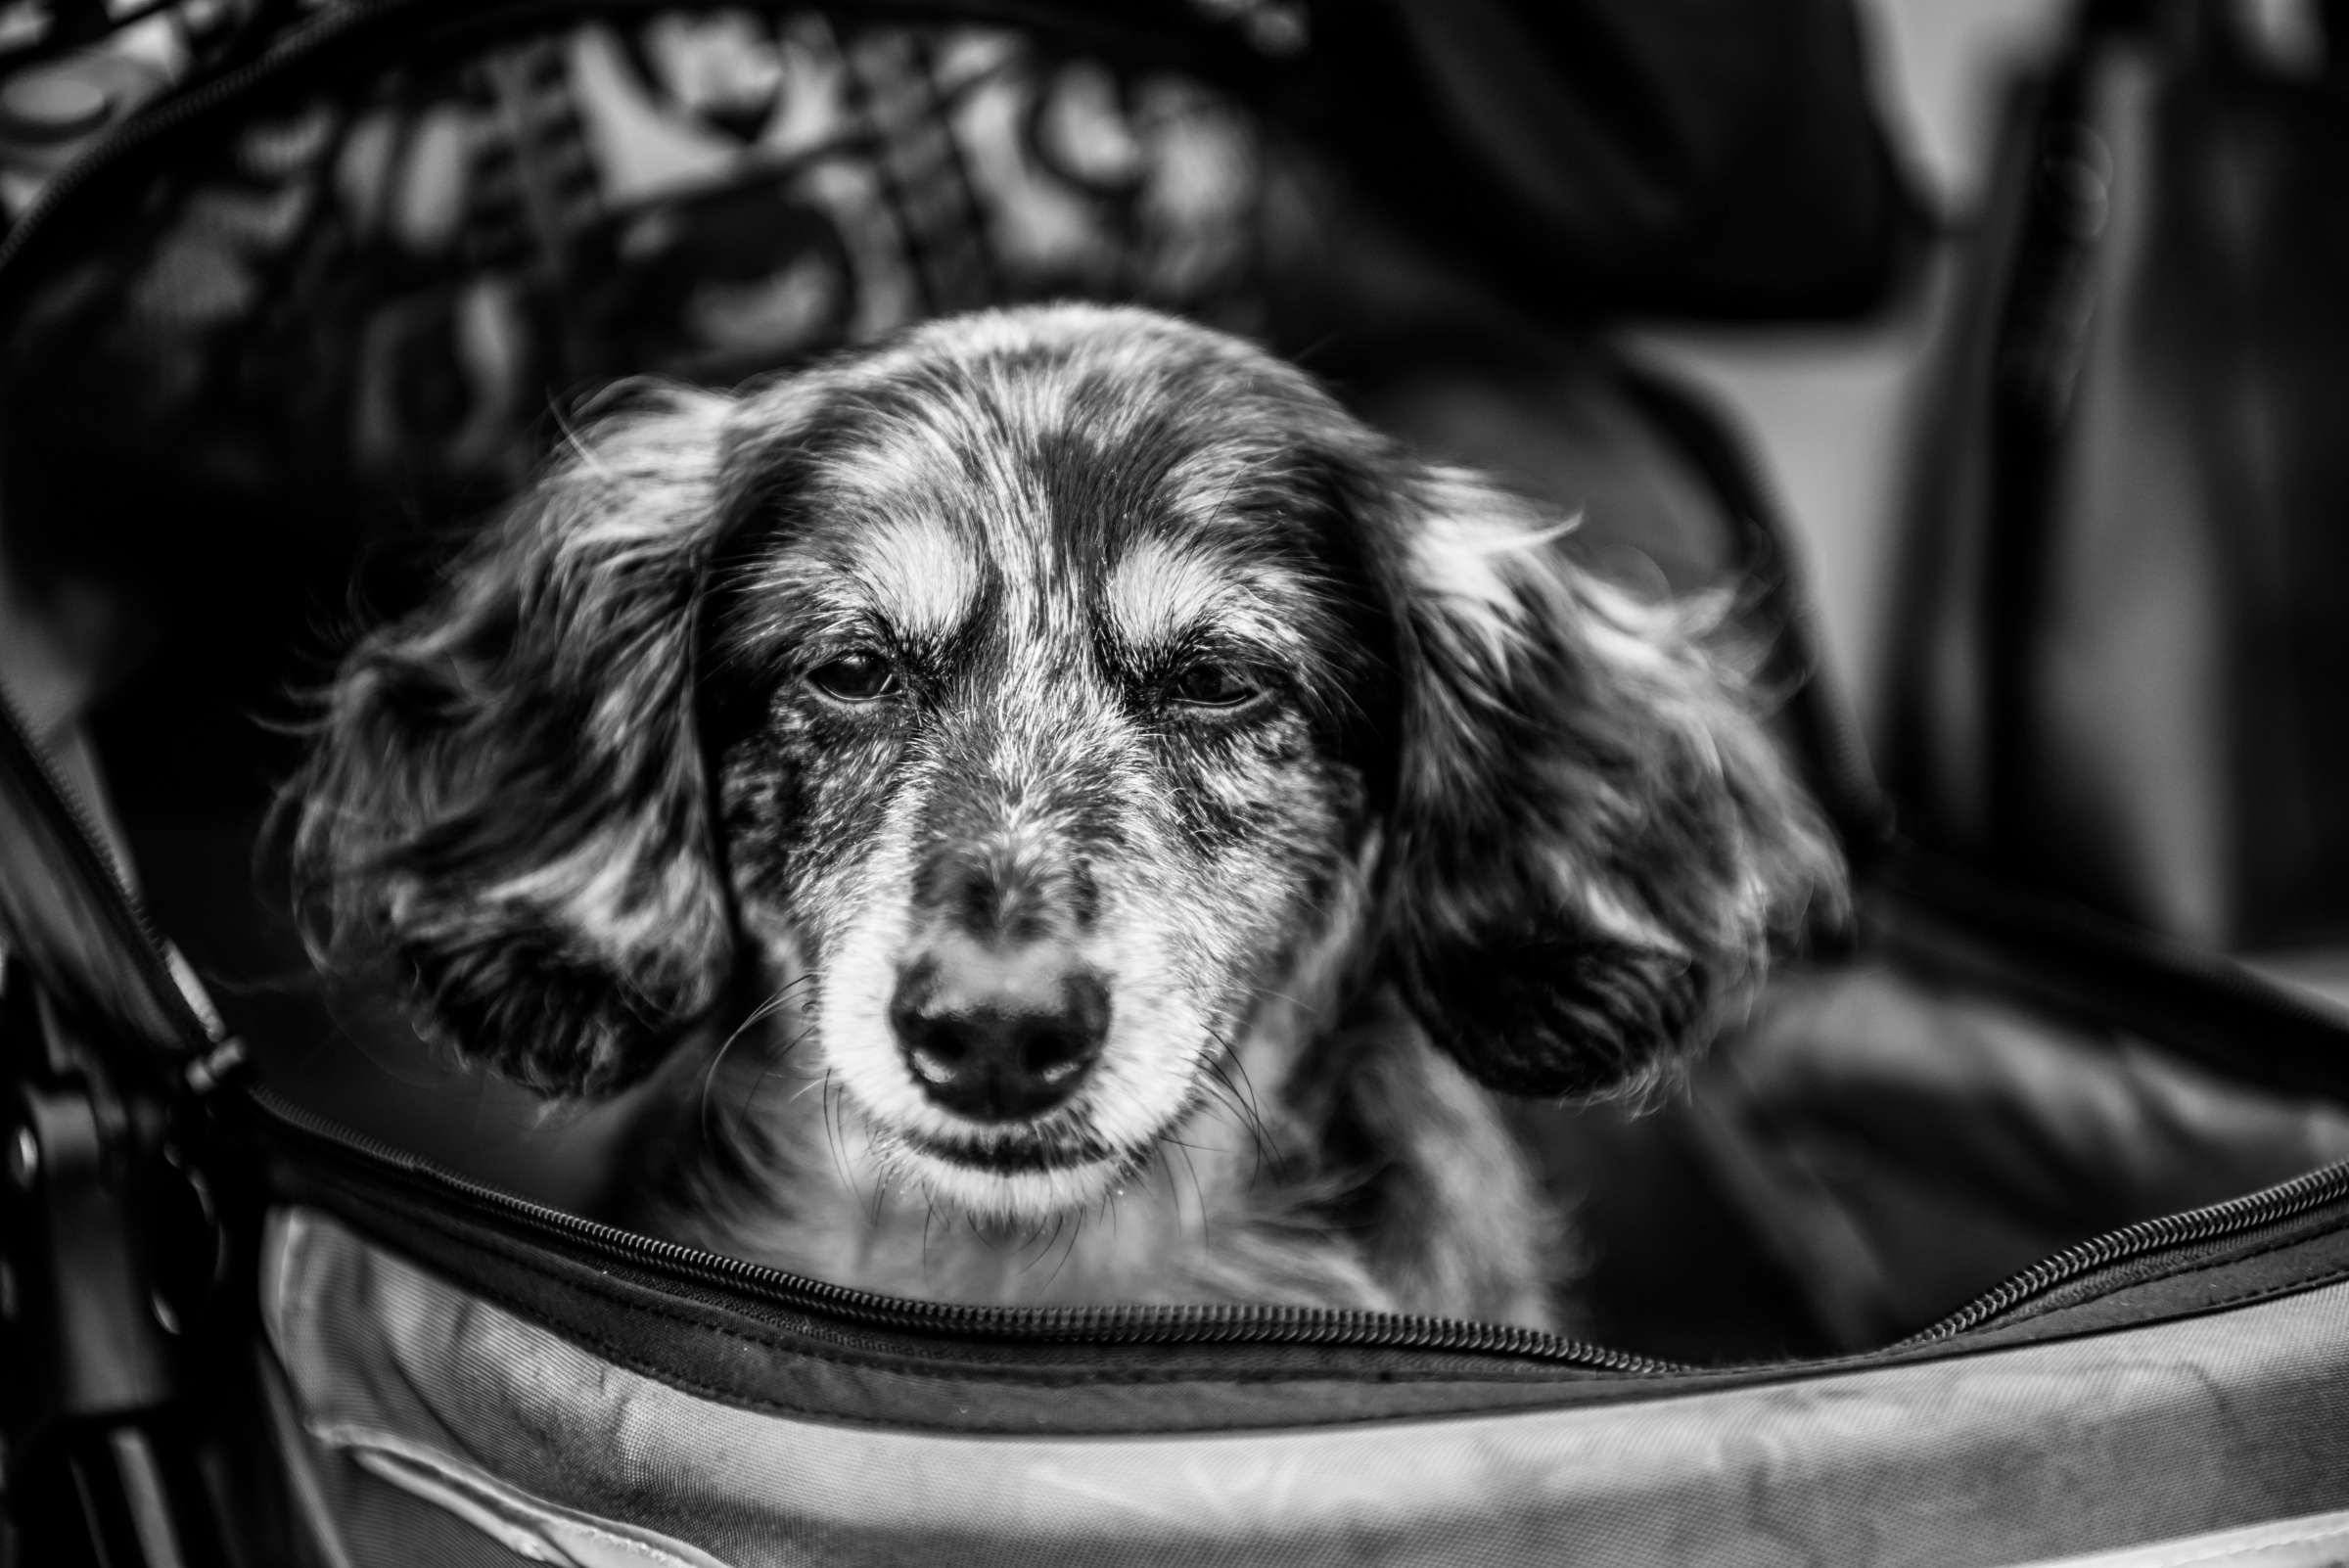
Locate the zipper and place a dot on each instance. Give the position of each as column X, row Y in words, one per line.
column 2219, row 1221
column 137, row 935
column 674, row 1263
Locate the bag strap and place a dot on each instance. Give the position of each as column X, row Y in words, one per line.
column 1821, row 724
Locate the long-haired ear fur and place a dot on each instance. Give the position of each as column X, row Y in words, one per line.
column 505, row 803
column 1597, row 843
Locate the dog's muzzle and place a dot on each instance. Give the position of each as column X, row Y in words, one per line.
column 999, row 1032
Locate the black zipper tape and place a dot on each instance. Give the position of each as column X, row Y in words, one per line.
column 366, row 1178
column 160, row 1014
column 2111, row 1253
column 370, row 1162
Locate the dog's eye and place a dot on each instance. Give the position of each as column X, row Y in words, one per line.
column 1213, row 685
column 854, row 677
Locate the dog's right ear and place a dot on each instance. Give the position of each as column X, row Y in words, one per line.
column 1600, row 848
column 506, row 802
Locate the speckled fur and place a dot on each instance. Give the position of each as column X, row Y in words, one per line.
column 1486, row 822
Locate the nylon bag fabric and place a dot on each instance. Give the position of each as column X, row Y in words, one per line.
column 421, row 1401
column 2124, row 623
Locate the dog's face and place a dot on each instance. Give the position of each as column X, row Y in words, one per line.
column 1036, row 700
column 1045, row 694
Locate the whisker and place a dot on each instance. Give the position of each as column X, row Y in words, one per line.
column 1235, row 1113
column 770, row 1071
column 1207, row 1241
column 1232, row 1055
column 1075, row 1231
column 763, row 1010
column 1200, row 1148
column 709, row 1080
column 1277, row 994
column 1251, row 1119
column 1045, row 1250
column 832, row 1138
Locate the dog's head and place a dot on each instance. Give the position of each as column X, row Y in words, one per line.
column 1040, row 695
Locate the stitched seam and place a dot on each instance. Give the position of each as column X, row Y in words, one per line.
column 2270, row 1292
column 2312, row 1282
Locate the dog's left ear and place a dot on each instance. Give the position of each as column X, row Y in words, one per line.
column 1597, row 843
column 504, row 808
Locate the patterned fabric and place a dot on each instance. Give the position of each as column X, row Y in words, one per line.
column 384, row 290
column 70, row 71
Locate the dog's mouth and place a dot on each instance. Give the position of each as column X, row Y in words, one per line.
column 1014, row 1152
column 1013, row 1176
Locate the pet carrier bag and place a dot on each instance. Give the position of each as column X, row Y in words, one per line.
column 1997, row 1235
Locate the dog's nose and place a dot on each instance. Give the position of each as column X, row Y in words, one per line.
column 999, row 1035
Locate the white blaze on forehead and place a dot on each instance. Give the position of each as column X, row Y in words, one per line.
column 1164, row 589
column 1160, row 588
column 919, row 575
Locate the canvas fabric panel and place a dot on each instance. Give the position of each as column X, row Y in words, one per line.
column 2001, row 1457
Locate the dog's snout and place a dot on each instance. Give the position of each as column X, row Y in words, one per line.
column 1009, row 897
column 999, row 1035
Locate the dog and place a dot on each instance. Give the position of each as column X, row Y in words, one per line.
column 1051, row 809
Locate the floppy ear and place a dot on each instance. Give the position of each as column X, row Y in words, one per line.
column 506, row 802
column 1597, row 843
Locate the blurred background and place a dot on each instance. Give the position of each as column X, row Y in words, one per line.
column 1832, row 408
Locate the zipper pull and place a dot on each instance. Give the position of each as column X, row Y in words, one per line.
column 225, row 1060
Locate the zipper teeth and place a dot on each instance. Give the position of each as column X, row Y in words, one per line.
column 2220, row 1220
column 1133, row 1324
column 112, row 894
